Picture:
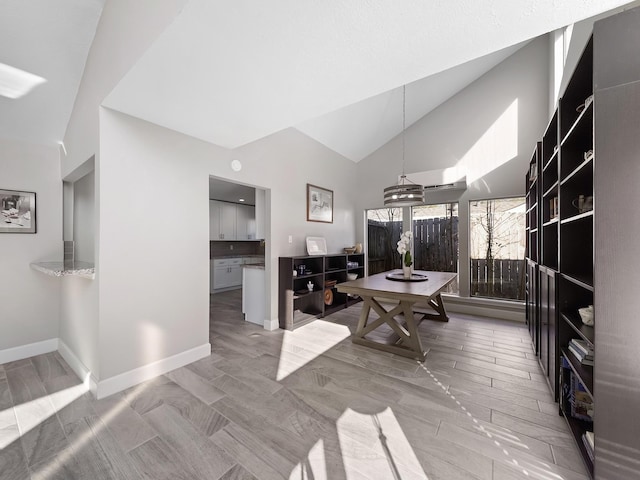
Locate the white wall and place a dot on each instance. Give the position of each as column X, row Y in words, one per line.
column 490, row 129
column 29, row 300
column 125, row 31
column 154, row 245
column 154, row 237
column 284, row 163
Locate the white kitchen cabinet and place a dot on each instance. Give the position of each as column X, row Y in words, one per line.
column 226, row 273
column 228, row 221
column 214, row 220
column 245, row 222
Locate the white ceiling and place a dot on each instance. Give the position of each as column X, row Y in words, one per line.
column 233, row 72
column 358, row 130
column 50, row 39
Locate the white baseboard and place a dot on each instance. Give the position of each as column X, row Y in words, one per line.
column 272, row 324
column 125, row 380
column 77, row 366
column 29, row 350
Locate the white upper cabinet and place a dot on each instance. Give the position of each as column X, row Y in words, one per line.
column 228, row 221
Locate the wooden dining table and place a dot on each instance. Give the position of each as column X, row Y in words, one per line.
column 393, row 302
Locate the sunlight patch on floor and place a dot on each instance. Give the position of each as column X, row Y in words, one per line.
column 20, row 419
column 314, row 466
column 306, row 343
column 50, row 468
column 375, row 446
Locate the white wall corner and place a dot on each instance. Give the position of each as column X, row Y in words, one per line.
column 125, row 380
column 272, row 324
column 29, row 350
column 76, row 365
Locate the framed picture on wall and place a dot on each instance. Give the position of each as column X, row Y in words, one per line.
column 319, row 204
column 17, row 211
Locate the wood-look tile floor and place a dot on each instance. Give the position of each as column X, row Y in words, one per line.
column 298, row 405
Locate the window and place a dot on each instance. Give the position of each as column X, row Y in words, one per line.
column 384, row 226
column 435, row 239
column 497, row 248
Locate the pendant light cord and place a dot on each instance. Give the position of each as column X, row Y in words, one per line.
column 404, row 102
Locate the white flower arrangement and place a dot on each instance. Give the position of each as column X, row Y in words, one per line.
column 404, row 248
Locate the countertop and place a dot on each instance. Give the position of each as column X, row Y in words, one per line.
column 257, row 266
column 63, row 269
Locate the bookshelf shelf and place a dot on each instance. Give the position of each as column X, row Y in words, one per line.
column 584, row 372
column 585, row 332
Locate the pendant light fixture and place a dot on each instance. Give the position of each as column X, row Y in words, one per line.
column 405, row 193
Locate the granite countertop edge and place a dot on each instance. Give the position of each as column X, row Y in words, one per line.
column 66, row 269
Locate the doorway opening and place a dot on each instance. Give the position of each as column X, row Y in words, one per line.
column 237, row 283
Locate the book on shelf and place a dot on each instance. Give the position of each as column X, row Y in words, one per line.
column 581, row 401
column 583, row 347
column 580, row 356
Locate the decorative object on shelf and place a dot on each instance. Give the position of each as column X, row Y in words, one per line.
column 319, row 204
column 17, row 212
column 352, row 276
column 328, row 296
column 349, row 250
column 405, row 193
column 533, row 172
column 583, row 204
column 588, row 155
column 358, row 248
column 302, row 269
column 316, row 246
column 404, row 249
column 584, row 105
column 586, row 314
column 310, row 286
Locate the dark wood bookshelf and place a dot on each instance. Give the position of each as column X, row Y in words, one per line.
column 297, row 306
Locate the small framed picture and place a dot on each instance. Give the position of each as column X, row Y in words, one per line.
column 17, row 211
column 319, row 204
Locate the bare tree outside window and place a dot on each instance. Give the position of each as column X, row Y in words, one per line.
column 497, row 248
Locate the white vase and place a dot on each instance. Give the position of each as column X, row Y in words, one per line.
column 406, row 271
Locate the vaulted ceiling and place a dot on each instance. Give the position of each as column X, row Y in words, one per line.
column 50, row 40
column 232, row 72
